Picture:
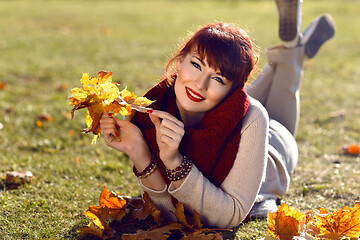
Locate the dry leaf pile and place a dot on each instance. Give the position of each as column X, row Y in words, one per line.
column 15, row 179
column 290, row 224
column 138, row 219
column 100, row 95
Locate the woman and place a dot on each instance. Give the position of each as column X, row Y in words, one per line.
column 206, row 143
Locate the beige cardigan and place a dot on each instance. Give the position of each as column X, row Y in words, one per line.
column 227, row 206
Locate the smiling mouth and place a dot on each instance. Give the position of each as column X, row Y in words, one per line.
column 193, row 96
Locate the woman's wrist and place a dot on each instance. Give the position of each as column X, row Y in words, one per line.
column 173, row 163
column 181, row 171
column 147, row 171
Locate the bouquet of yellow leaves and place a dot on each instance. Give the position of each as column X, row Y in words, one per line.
column 289, row 224
column 100, row 95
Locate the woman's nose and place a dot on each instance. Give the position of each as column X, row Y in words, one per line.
column 201, row 82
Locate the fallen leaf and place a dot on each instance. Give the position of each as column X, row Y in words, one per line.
column 284, row 223
column 343, row 222
column 15, row 179
column 145, row 211
column 71, row 132
column 39, row 123
column 98, row 226
column 44, row 117
column 2, row 85
column 78, row 160
column 114, row 203
column 41, row 119
column 92, row 229
column 192, row 222
column 111, row 208
column 351, row 150
column 161, row 233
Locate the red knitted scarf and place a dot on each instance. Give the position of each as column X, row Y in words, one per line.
column 213, row 144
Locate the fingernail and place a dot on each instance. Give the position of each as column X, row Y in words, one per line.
column 149, row 111
column 110, row 114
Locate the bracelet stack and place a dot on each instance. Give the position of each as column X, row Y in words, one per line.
column 147, row 171
column 179, row 172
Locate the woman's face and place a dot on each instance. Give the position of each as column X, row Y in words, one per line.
column 198, row 87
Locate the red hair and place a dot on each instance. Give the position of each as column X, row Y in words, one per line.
column 225, row 47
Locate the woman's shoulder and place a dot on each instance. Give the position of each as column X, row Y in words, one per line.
column 256, row 113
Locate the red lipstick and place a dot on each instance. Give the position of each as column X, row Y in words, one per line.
column 194, row 96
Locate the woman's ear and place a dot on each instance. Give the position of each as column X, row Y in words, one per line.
column 178, row 65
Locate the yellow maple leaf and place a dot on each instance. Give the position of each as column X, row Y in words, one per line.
column 284, row 223
column 100, row 95
column 96, row 93
column 343, row 222
column 98, row 225
column 92, row 229
column 133, row 102
column 111, row 207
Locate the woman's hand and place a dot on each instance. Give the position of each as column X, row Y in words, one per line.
column 124, row 136
column 169, row 133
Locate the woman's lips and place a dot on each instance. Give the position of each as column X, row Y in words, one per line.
column 194, row 96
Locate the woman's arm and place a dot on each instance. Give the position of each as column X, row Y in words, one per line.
column 228, row 205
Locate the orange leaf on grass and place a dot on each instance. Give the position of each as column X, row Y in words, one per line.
column 284, row 223
column 111, row 207
column 98, row 226
column 41, row 119
column 39, row 124
column 352, row 149
column 343, row 222
column 115, row 204
column 2, row 85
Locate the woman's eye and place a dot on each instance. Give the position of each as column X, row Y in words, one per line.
column 219, row 80
column 196, row 65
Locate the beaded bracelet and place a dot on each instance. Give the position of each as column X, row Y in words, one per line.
column 179, row 172
column 147, row 171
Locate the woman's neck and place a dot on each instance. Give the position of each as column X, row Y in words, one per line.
column 190, row 119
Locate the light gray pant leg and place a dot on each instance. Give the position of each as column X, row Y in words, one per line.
column 260, row 87
column 277, row 87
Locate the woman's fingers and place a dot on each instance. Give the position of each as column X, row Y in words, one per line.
column 155, row 120
column 171, row 129
column 170, row 134
column 165, row 115
column 110, row 127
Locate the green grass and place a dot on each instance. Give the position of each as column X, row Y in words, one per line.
column 46, row 45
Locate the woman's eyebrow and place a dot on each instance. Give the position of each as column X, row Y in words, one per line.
column 203, row 63
column 219, row 73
